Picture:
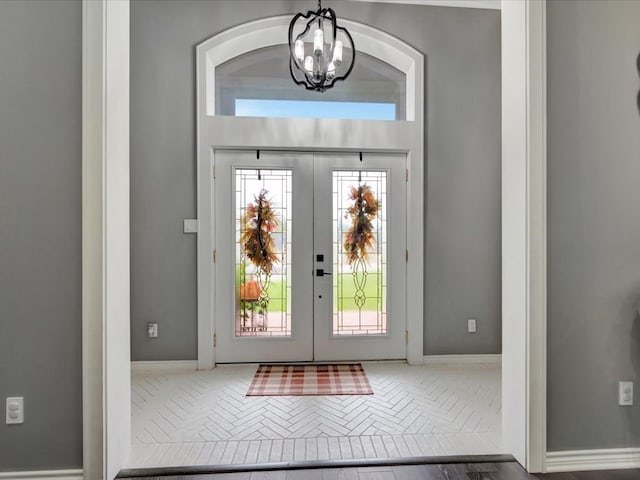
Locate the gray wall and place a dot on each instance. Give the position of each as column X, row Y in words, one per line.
column 594, row 222
column 40, row 232
column 462, row 56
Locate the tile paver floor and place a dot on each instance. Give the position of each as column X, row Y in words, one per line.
column 204, row 418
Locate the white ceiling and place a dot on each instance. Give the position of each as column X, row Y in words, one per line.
column 486, row 4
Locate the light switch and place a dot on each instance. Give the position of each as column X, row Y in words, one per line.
column 152, row 330
column 190, row 225
column 471, row 325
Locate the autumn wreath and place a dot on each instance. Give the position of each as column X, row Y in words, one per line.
column 363, row 210
column 258, row 223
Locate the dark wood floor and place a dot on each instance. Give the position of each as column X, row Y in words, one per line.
column 456, row 471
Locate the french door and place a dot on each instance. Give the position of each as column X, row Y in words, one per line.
column 310, row 256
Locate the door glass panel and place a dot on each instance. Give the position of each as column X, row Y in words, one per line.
column 359, row 253
column 263, row 252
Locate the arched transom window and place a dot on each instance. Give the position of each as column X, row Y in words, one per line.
column 247, row 74
column 258, row 84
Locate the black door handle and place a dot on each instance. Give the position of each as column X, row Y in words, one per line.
column 321, row 273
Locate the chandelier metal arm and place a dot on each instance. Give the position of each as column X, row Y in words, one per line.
column 292, row 58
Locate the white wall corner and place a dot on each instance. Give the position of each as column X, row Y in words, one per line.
column 524, row 281
column 537, row 241
column 105, row 238
column 601, row 459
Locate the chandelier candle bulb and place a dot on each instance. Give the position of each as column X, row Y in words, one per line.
column 318, row 42
column 299, row 50
column 331, row 71
column 337, row 53
column 308, row 64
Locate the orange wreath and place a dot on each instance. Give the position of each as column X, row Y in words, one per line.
column 257, row 225
column 360, row 238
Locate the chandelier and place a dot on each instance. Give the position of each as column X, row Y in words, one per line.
column 317, row 50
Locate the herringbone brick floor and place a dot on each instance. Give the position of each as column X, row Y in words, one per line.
column 204, row 418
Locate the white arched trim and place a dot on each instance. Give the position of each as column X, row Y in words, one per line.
column 307, row 134
column 273, row 31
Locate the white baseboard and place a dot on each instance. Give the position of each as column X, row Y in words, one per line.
column 164, row 366
column 192, row 365
column 43, row 475
column 603, row 459
column 463, row 359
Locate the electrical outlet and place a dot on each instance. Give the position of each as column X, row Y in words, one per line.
column 625, row 393
column 471, row 325
column 152, row 330
column 15, row 410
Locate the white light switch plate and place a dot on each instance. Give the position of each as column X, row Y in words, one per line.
column 471, row 325
column 152, row 330
column 15, row 410
column 190, row 225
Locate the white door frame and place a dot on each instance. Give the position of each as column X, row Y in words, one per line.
column 311, row 336
column 284, row 134
column 105, row 350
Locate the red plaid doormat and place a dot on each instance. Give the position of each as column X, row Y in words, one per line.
column 336, row 379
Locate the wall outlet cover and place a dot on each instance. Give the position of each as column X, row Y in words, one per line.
column 15, row 410
column 471, row 325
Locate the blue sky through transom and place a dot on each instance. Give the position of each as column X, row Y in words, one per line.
column 246, row 107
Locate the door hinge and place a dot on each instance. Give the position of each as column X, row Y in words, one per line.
column 406, row 337
column 213, row 171
column 214, row 256
column 406, row 255
column 214, row 340
column 407, row 175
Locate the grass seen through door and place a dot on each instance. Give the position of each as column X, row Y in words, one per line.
column 345, row 292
